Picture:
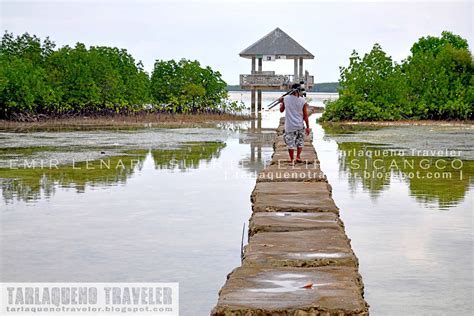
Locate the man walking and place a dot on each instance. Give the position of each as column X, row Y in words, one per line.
column 295, row 118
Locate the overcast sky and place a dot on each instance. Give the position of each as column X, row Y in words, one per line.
column 214, row 32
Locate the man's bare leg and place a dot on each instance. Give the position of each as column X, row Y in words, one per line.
column 291, row 151
column 298, row 153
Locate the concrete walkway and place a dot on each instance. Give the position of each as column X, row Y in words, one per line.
column 298, row 260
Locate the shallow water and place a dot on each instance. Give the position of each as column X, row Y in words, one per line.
column 169, row 204
column 151, row 205
column 408, row 214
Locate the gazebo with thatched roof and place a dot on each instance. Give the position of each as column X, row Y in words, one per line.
column 275, row 45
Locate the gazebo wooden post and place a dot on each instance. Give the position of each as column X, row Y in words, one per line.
column 259, row 91
column 300, row 72
column 295, row 69
column 252, row 90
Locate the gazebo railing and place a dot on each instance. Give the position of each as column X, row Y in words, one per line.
column 270, row 79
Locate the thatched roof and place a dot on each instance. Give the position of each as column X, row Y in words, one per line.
column 276, row 43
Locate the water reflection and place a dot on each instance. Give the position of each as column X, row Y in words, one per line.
column 260, row 141
column 432, row 180
column 189, row 156
column 31, row 179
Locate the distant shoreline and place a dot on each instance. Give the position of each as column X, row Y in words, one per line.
column 323, row 87
column 283, row 91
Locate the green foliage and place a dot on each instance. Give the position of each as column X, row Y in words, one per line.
column 434, row 45
column 185, row 86
column 435, row 82
column 37, row 79
column 441, row 79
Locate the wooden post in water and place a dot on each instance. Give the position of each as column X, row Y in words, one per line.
column 259, row 91
column 259, row 100
column 252, row 100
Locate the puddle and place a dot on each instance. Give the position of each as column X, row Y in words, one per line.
column 321, row 255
